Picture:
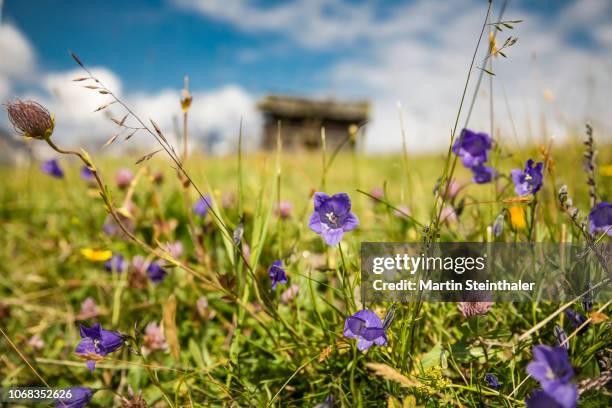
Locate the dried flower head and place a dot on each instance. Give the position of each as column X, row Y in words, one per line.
column 133, row 400
column 474, row 308
column 30, row 119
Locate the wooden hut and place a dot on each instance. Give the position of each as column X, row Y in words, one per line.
column 302, row 119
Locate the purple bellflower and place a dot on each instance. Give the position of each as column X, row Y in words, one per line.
column 87, row 174
column 492, row 381
column 482, row 174
column 96, row 343
column 156, row 272
column 552, row 368
column 528, row 181
column 600, row 219
column 116, row 264
column 472, row 147
column 52, row 168
column 277, row 274
column 367, row 328
column 332, row 217
column 202, row 205
column 79, row 397
column 577, row 320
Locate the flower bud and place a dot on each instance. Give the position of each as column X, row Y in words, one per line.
column 30, row 119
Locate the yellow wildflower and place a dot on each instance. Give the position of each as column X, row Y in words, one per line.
column 517, row 217
column 96, row 255
column 606, row 170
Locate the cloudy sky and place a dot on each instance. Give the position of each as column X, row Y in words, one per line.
column 415, row 52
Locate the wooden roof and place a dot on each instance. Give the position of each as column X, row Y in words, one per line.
column 295, row 107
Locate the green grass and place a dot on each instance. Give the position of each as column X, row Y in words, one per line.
column 256, row 351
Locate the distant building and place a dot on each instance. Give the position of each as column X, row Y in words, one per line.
column 301, row 121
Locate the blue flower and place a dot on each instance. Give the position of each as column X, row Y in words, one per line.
column 492, row 381
column 96, row 343
column 332, row 217
column 367, row 328
column 473, row 148
column 600, row 219
column 577, row 320
column 552, row 368
column 116, row 264
column 202, row 205
column 156, row 272
column 528, row 181
column 277, row 274
column 79, row 397
column 87, row 174
column 482, row 174
column 52, row 168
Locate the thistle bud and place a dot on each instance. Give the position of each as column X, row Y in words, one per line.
column 30, row 119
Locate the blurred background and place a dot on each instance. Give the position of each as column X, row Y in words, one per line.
column 309, row 63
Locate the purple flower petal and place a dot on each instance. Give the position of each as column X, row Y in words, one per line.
column 600, row 219
column 79, row 397
column 350, row 223
column 315, row 223
column 319, row 198
column 332, row 236
column 52, row 168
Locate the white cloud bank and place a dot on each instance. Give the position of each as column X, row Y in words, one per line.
column 419, row 52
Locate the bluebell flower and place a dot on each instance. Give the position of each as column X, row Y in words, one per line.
column 561, row 337
column 367, row 328
column 472, row 147
column 96, row 343
column 79, row 398
column 116, row 264
column 552, row 368
column 600, row 219
column 332, row 217
column 156, row 272
column 277, row 274
column 528, row 181
column 492, row 381
column 87, row 174
column 576, row 320
column 52, row 168
column 482, row 174
column 202, row 205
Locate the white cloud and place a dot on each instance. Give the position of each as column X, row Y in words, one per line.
column 17, row 62
column 427, row 76
column 215, row 111
column 310, row 23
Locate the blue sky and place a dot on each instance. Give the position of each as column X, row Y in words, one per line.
column 152, row 44
column 414, row 51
